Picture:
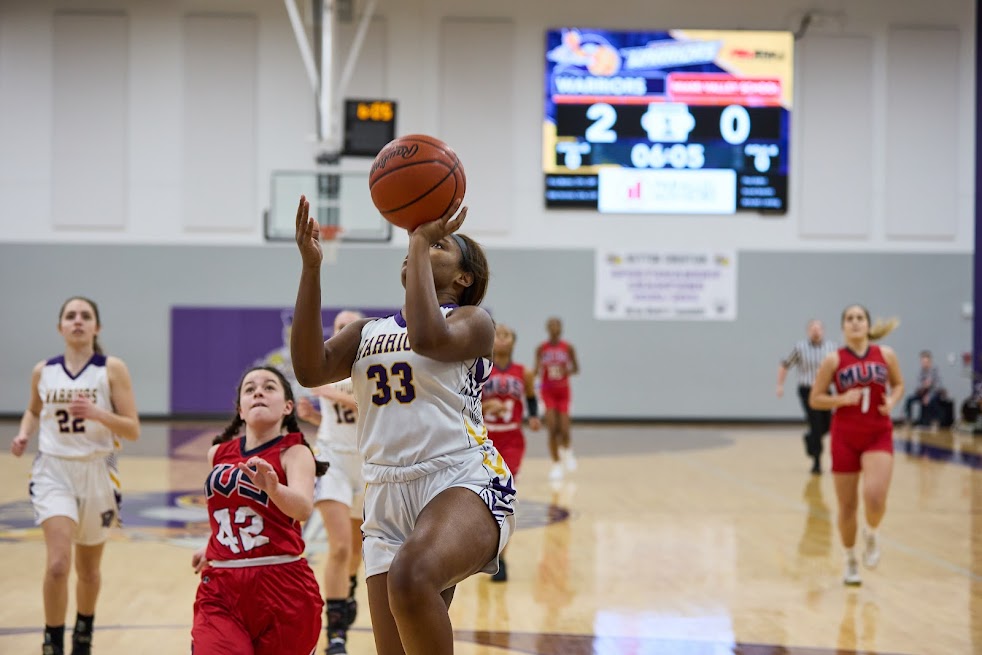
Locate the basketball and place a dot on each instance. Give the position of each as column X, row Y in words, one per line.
column 415, row 179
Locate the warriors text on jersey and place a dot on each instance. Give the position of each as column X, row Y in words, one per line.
column 508, row 386
column 412, row 408
column 62, row 434
column 339, row 423
column 555, row 361
column 245, row 523
column 869, row 374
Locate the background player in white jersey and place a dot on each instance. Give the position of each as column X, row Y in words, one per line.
column 339, row 497
column 81, row 401
column 439, row 502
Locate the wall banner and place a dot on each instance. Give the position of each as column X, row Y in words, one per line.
column 651, row 285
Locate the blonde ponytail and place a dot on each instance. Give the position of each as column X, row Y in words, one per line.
column 882, row 327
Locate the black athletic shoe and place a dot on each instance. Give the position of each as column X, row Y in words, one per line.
column 51, row 649
column 337, row 646
column 502, row 574
column 82, row 644
column 816, row 467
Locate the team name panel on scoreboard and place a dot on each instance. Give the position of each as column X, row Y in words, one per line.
column 679, row 122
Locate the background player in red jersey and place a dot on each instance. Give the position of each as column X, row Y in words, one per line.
column 868, row 384
column 257, row 595
column 555, row 361
column 509, row 386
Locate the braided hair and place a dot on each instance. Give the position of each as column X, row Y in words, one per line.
column 290, row 421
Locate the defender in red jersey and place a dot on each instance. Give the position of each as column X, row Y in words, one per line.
column 555, row 361
column 257, row 595
column 868, row 384
column 503, row 400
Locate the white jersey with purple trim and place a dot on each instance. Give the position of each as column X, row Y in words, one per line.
column 413, row 409
column 63, row 435
column 339, row 424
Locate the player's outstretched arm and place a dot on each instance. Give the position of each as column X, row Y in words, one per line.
column 315, row 361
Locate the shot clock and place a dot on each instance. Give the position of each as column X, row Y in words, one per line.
column 368, row 126
column 683, row 121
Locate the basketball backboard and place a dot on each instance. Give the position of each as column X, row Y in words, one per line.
column 336, row 198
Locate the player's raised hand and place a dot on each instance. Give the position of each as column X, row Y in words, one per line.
column 446, row 225
column 308, row 235
column 261, row 472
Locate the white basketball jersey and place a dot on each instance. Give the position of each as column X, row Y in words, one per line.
column 339, row 424
column 63, row 435
column 413, row 408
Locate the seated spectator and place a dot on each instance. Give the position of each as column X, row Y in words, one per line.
column 928, row 394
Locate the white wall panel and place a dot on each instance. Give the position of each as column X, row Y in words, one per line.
column 90, row 123
column 475, row 103
column 219, row 163
column 922, row 133
column 835, row 151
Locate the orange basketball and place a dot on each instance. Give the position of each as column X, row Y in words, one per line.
column 416, row 179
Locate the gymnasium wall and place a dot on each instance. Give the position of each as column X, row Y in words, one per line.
column 152, row 122
column 137, row 141
column 631, row 370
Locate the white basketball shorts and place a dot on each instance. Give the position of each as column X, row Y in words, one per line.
column 343, row 481
column 393, row 503
column 86, row 491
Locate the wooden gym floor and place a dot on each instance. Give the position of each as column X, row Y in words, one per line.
column 686, row 540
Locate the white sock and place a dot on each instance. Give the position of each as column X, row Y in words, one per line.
column 870, row 532
column 851, row 553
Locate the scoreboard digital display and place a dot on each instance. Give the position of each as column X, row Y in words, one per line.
column 679, row 122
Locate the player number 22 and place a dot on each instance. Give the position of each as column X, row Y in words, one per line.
column 405, row 392
column 250, row 535
column 68, row 424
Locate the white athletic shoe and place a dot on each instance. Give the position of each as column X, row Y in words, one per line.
column 556, row 472
column 871, row 554
column 570, row 461
column 851, row 576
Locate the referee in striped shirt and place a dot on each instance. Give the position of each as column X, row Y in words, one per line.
column 807, row 356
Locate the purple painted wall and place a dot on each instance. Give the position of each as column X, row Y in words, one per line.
column 212, row 346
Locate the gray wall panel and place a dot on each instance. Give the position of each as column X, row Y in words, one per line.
column 631, row 370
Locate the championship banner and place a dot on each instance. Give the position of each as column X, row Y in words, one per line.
column 211, row 347
column 662, row 286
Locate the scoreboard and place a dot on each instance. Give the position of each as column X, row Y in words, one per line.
column 681, row 122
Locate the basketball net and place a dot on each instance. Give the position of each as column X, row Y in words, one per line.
column 330, row 242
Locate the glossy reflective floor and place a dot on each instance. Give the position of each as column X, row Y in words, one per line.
column 667, row 539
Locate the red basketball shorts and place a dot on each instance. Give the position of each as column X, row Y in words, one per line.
column 266, row 610
column 556, row 398
column 848, row 446
column 511, row 445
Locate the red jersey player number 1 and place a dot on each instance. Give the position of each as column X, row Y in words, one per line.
column 868, row 384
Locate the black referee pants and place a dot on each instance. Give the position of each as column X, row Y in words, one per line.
column 819, row 421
